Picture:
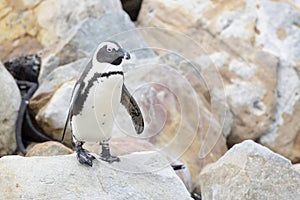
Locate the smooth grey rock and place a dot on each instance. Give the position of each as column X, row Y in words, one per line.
column 250, row 171
column 58, row 19
column 87, row 35
column 113, row 26
column 60, row 75
column 137, row 176
column 10, row 101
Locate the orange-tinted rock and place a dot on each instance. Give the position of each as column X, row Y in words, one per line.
column 48, row 149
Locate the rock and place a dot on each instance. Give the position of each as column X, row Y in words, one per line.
column 283, row 135
column 16, row 24
column 58, row 75
column 87, row 36
column 19, row 30
column 10, row 101
column 29, row 26
column 250, row 171
column 241, row 87
column 51, row 119
column 279, row 38
column 59, row 19
column 20, row 47
column 247, row 20
column 297, row 167
column 137, row 176
column 126, row 145
column 91, row 32
column 48, row 149
column 232, row 26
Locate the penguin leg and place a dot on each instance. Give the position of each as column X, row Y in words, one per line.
column 105, row 155
column 83, row 156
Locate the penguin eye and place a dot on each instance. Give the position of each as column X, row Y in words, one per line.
column 109, row 50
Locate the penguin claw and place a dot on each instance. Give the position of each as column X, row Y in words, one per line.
column 85, row 158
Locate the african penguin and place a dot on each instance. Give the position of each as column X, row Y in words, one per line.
column 95, row 101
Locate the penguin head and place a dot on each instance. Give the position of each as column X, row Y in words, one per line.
column 110, row 52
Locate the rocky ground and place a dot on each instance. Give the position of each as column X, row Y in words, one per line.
column 208, row 75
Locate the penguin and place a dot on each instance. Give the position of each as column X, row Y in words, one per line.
column 95, row 101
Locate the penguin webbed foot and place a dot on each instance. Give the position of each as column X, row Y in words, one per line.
column 105, row 155
column 83, row 156
column 109, row 158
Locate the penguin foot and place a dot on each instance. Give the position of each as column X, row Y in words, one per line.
column 105, row 155
column 109, row 158
column 85, row 158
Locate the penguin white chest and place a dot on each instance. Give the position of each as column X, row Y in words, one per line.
column 101, row 105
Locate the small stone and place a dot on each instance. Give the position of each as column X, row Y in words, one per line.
column 48, row 149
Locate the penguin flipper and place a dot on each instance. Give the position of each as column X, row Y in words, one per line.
column 65, row 127
column 74, row 96
column 133, row 109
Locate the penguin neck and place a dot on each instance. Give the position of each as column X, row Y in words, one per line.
column 106, row 67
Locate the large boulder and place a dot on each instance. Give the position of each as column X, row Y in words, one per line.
column 10, row 101
column 28, row 26
column 245, row 82
column 87, row 36
column 58, row 19
column 223, row 29
column 250, row 171
column 136, row 176
column 18, row 29
column 247, row 20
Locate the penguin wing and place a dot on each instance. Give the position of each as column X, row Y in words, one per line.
column 74, row 96
column 133, row 109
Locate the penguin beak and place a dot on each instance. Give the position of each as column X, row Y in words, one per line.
column 126, row 55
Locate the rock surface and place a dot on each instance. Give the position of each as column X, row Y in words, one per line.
column 250, row 171
column 297, row 167
column 89, row 33
column 10, row 99
column 137, row 176
column 58, row 19
column 28, row 26
column 268, row 90
column 48, row 149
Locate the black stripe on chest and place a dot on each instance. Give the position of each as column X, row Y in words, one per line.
column 83, row 93
column 108, row 74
